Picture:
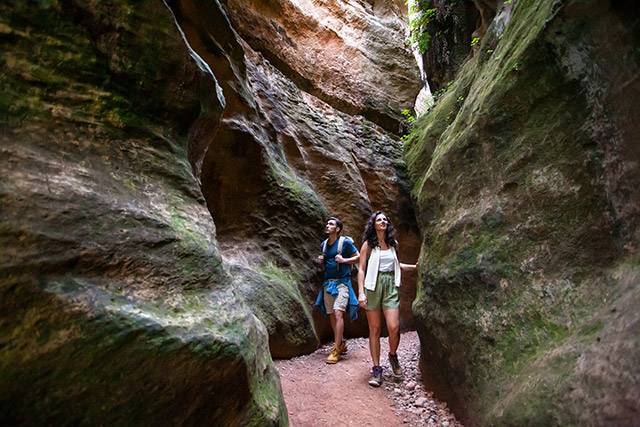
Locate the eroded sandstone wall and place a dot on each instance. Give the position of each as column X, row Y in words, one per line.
column 297, row 142
column 527, row 186
column 116, row 308
column 167, row 168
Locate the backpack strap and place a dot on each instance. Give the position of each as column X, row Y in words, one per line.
column 341, row 240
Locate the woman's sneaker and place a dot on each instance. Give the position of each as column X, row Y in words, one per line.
column 343, row 347
column 376, row 377
column 395, row 365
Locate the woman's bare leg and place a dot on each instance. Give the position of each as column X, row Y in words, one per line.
column 374, row 319
column 392, row 318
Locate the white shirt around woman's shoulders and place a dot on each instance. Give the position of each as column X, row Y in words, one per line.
column 373, row 267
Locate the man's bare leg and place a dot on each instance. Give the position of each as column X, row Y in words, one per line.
column 338, row 327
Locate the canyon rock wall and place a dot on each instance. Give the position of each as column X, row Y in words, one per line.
column 298, row 141
column 528, row 195
column 450, row 33
column 352, row 55
column 167, row 168
column 116, row 308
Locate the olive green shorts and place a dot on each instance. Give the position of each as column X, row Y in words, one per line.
column 386, row 295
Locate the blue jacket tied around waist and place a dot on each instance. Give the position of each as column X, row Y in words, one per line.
column 335, row 274
column 331, row 285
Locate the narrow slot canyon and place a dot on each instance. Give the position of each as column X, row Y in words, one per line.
column 169, row 168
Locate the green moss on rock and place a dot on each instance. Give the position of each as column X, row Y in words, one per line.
column 116, row 307
column 520, row 251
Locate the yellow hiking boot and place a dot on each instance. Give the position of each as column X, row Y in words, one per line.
column 343, row 347
column 334, row 356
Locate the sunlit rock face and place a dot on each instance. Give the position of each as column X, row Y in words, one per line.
column 528, row 197
column 115, row 305
column 352, row 55
column 289, row 151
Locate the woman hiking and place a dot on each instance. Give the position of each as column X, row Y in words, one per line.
column 378, row 282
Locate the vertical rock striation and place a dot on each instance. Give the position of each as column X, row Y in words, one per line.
column 352, row 55
column 527, row 186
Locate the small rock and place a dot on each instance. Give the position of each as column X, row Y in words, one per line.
column 421, row 402
column 410, row 385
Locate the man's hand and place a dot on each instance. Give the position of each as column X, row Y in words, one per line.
column 340, row 259
column 362, row 300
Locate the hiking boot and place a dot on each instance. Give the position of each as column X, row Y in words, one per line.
column 395, row 365
column 376, row 377
column 343, row 347
column 334, row 356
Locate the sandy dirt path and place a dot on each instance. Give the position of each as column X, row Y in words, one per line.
column 319, row 395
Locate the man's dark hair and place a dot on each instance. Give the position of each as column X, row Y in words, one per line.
column 338, row 223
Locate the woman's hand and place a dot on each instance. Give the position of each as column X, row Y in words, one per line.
column 340, row 259
column 362, row 300
column 408, row 267
column 319, row 260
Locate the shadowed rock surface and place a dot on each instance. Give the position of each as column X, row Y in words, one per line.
column 528, row 192
column 115, row 306
column 448, row 38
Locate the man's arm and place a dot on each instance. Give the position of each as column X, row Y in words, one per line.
column 353, row 258
column 320, row 258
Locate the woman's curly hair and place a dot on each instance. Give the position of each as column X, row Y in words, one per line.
column 370, row 235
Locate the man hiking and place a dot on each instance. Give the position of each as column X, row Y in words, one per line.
column 337, row 295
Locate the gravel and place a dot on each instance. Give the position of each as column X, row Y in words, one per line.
column 415, row 405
